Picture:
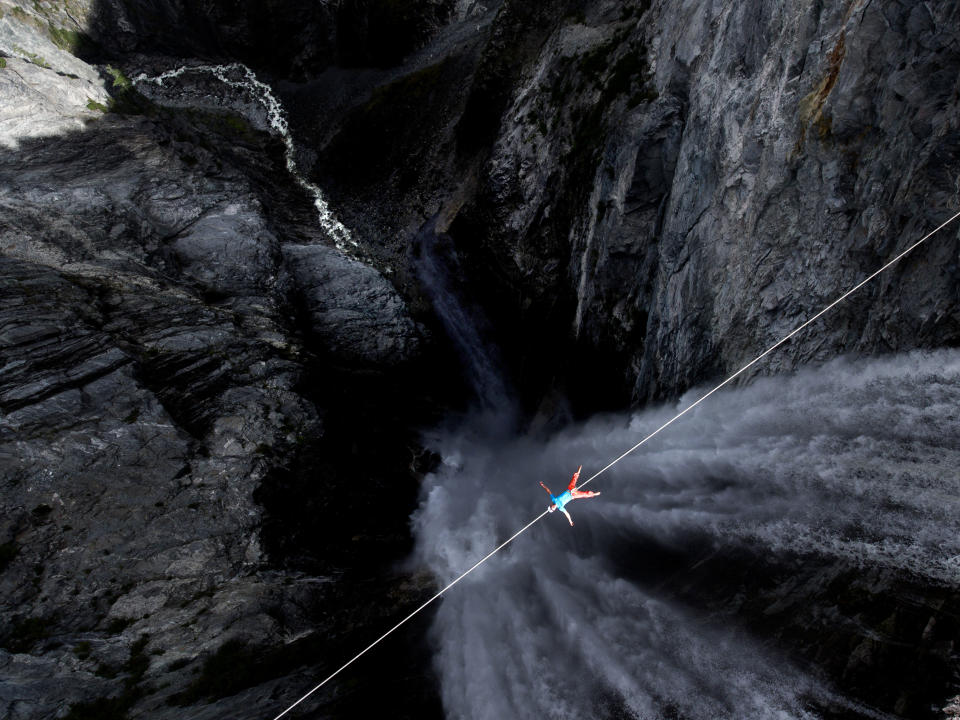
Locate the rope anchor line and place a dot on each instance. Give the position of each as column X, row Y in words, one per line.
column 606, row 467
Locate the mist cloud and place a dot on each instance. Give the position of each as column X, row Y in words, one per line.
column 854, row 460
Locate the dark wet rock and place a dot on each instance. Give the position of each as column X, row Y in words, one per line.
column 728, row 174
column 353, row 311
column 292, row 39
column 667, row 190
column 135, row 413
column 153, row 366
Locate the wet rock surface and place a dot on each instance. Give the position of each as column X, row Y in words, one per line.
column 353, row 311
column 669, row 190
column 291, row 39
column 170, row 318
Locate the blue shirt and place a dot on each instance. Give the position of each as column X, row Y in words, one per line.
column 562, row 499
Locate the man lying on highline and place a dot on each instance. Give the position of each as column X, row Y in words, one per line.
column 571, row 494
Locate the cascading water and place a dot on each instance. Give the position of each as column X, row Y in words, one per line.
column 853, row 463
column 242, row 79
column 436, row 264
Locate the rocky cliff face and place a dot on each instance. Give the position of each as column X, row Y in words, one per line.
column 644, row 194
column 673, row 187
column 155, row 321
column 774, row 141
column 177, row 333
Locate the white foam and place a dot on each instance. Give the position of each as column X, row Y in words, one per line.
column 852, row 461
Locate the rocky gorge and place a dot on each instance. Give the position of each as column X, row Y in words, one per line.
column 212, row 405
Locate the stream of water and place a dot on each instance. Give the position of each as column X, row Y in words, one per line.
column 251, row 92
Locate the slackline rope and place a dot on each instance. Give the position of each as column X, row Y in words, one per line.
column 669, row 422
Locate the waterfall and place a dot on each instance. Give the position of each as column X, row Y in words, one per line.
column 242, row 79
column 437, row 266
column 854, row 462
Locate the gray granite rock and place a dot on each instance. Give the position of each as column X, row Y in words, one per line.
column 692, row 181
column 354, row 311
column 46, row 90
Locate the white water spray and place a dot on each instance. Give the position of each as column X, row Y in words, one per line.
column 854, row 463
column 239, row 77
